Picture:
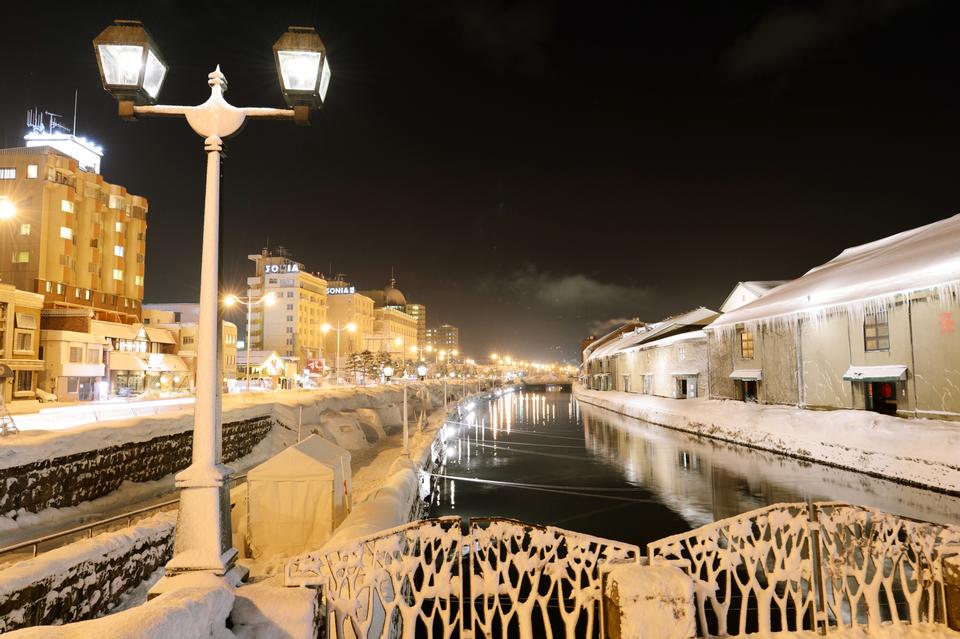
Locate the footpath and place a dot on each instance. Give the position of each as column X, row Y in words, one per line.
column 918, row 452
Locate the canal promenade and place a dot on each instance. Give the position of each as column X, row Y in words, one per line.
column 918, row 452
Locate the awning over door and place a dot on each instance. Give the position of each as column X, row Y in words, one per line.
column 684, row 374
column 124, row 361
column 747, row 374
column 889, row 373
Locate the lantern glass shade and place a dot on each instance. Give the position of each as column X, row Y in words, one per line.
column 121, row 63
column 153, row 74
column 298, row 69
column 302, row 67
column 324, row 79
column 131, row 67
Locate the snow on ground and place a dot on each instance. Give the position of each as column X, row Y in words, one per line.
column 130, row 496
column 923, row 452
column 55, row 432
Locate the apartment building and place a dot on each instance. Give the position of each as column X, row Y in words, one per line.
column 69, row 235
column 292, row 325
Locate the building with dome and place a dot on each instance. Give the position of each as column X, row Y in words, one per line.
column 394, row 329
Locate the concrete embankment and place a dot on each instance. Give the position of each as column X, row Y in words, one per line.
column 918, row 452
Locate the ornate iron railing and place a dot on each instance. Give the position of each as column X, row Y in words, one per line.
column 821, row 566
column 502, row 578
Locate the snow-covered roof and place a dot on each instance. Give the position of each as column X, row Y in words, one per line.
column 761, row 287
column 745, row 292
column 866, row 275
column 313, row 458
column 653, row 332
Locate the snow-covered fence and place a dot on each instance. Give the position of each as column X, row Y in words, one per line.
column 824, row 565
column 428, row 578
column 85, row 579
column 68, row 480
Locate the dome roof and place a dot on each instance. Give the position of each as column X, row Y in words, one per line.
column 392, row 295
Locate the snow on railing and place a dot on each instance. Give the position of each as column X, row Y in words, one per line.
column 879, row 568
column 824, row 565
column 428, row 578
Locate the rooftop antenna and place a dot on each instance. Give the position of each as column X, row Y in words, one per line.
column 76, row 94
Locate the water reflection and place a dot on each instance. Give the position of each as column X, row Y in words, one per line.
column 545, row 458
column 706, row 479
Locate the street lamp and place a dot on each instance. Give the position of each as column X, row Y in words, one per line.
column 326, row 328
column 267, row 300
column 132, row 71
column 422, row 371
column 388, row 372
column 7, row 209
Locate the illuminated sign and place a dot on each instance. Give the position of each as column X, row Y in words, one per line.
column 288, row 267
column 340, row 290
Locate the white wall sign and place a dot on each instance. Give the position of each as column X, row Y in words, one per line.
column 289, row 267
column 340, row 290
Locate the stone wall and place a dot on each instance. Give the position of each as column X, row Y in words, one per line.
column 69, row 480
column 85, row 579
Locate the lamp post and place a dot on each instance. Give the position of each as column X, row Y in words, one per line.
column 132, row 71
column 350, row 328
column 267, row 300
column 8, row 209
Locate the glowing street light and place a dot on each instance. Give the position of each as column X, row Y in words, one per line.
column 326, row 328
column 232, row 300
column 7, row 208
column 133, row 71
column 131, row 67
column 303, row 69
column 422, row 371
column 388, row 372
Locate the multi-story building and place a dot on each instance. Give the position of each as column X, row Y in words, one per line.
column 19, row 341
column 444, row 337
column 74, row 238
column 393, row 331
column 133, row 358
column 290, row 326
column 346, row 306
column 418, row 311
column 181, row 319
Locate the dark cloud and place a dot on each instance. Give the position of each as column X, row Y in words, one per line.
column 602, row 327
column 787, row 33
column 576, row 293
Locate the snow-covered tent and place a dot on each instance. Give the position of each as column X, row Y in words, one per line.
column 298, row 497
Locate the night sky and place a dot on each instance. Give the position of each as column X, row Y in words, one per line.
column 530, row 169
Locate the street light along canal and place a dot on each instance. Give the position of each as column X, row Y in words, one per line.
column 545, row 458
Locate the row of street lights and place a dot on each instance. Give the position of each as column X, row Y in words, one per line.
column 133, row 70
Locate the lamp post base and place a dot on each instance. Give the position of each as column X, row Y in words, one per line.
column 203, row 490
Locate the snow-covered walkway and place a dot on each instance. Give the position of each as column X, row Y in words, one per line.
column 922, row 452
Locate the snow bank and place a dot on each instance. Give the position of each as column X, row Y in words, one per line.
column 387, row 507
column 921, row 452
column 650, row 602
column 196, row 607
column 86, row 578
column 269, row 610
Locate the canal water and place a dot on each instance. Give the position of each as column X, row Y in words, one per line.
column 546, row 458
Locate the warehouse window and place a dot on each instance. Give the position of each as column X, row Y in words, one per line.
column 66, row 206
column 24, row 229
column 32, row 171
column 8, row 173
column 66, row 232
column 876, row 332
column 746, row 344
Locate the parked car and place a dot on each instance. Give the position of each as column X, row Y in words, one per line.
column 44, row 396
